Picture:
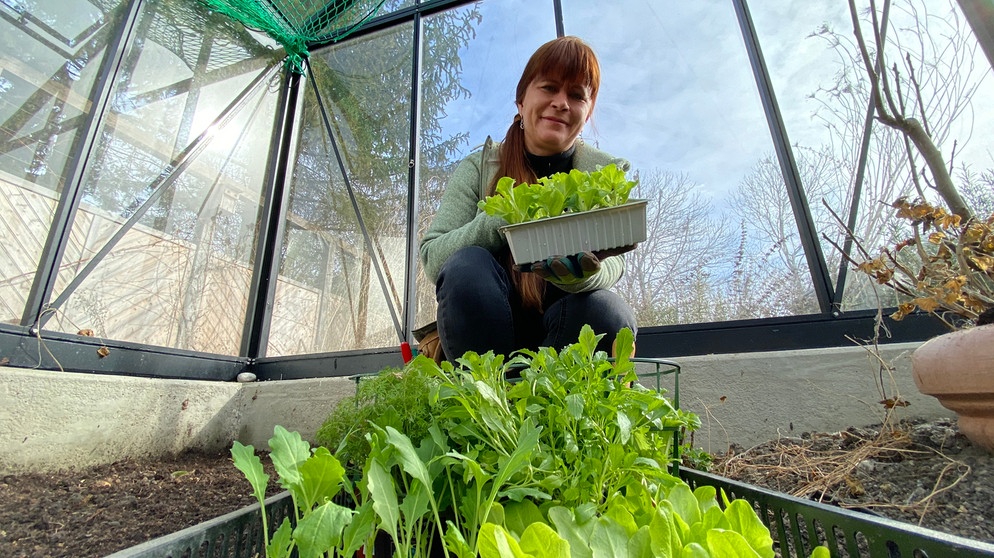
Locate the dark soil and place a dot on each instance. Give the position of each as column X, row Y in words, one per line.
column 918, row 472
column 98, row 511
column 921, row 473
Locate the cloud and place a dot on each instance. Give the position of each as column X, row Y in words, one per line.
column 678, row 91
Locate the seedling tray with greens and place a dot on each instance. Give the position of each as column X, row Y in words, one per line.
column 568, row 213
column 572, row 233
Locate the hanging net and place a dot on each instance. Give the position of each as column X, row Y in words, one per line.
column 295, row 24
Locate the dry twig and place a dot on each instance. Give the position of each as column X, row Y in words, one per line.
column 820, row 472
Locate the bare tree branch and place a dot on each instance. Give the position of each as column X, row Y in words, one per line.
column 910, row 127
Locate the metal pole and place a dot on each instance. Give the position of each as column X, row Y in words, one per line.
column 795, row 191
column 272, row 225
column 65, row 211
column 413, row 197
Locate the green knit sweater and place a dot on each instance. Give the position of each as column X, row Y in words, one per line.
column 459, row 222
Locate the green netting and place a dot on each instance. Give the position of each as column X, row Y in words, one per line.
column 295, row 24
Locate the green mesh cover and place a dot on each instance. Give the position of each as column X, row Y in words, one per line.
column 297, row 23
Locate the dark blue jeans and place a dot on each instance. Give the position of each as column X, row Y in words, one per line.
column 479, row 310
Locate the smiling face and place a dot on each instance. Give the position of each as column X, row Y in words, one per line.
column 553, row 113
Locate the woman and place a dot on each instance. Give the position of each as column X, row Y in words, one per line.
column 486, row 303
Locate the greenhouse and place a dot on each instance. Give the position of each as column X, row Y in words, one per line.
column 213, row 211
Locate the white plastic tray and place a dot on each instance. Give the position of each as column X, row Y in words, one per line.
column 572, row 233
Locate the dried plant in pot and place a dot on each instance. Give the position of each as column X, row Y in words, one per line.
column 946, row 266
column 952, row 277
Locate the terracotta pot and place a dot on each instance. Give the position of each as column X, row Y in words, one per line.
column 958, row 369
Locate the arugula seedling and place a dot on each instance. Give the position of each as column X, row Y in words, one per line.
column 570, row 461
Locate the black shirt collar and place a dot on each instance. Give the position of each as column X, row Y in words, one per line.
column 547, row 165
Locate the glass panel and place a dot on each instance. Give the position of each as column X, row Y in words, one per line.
column 393, row 5
column 50, row 54
column 679, row 100
column 823, row 91
column 161, row 249
column 339, row 289
column 473, row 59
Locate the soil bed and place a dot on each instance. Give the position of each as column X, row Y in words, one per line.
column 98, row 511
column 919, row 472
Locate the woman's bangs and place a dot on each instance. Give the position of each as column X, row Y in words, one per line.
column 570, row 65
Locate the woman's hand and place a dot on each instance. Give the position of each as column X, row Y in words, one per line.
column 566, row 270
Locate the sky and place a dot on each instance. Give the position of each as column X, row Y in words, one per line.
column 677, row 91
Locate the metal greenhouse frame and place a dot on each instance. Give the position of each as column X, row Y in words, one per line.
column 20, row 343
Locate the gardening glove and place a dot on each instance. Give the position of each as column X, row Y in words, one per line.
column 601, row 254
column 566, row 270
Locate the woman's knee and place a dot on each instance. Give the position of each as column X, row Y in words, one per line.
column 473, row 311
column 607, row 312
column 467, row 263
column 604, row 311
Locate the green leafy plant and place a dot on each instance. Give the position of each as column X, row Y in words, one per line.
column 681, row 523
column 397, row 397
column 603, row 430
column 557, row 194
column 695, row 457
column 576, row 429
column 572, row 460
column 313, row 478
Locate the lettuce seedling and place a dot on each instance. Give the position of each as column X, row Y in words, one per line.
column 557, row 194
column 680, row 523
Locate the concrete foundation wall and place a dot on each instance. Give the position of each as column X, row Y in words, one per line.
column 54, row 420
column 751, row 398
column 297, row 405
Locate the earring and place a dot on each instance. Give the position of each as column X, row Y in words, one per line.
column 521, row 124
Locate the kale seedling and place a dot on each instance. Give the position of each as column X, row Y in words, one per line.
column 313, row 478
